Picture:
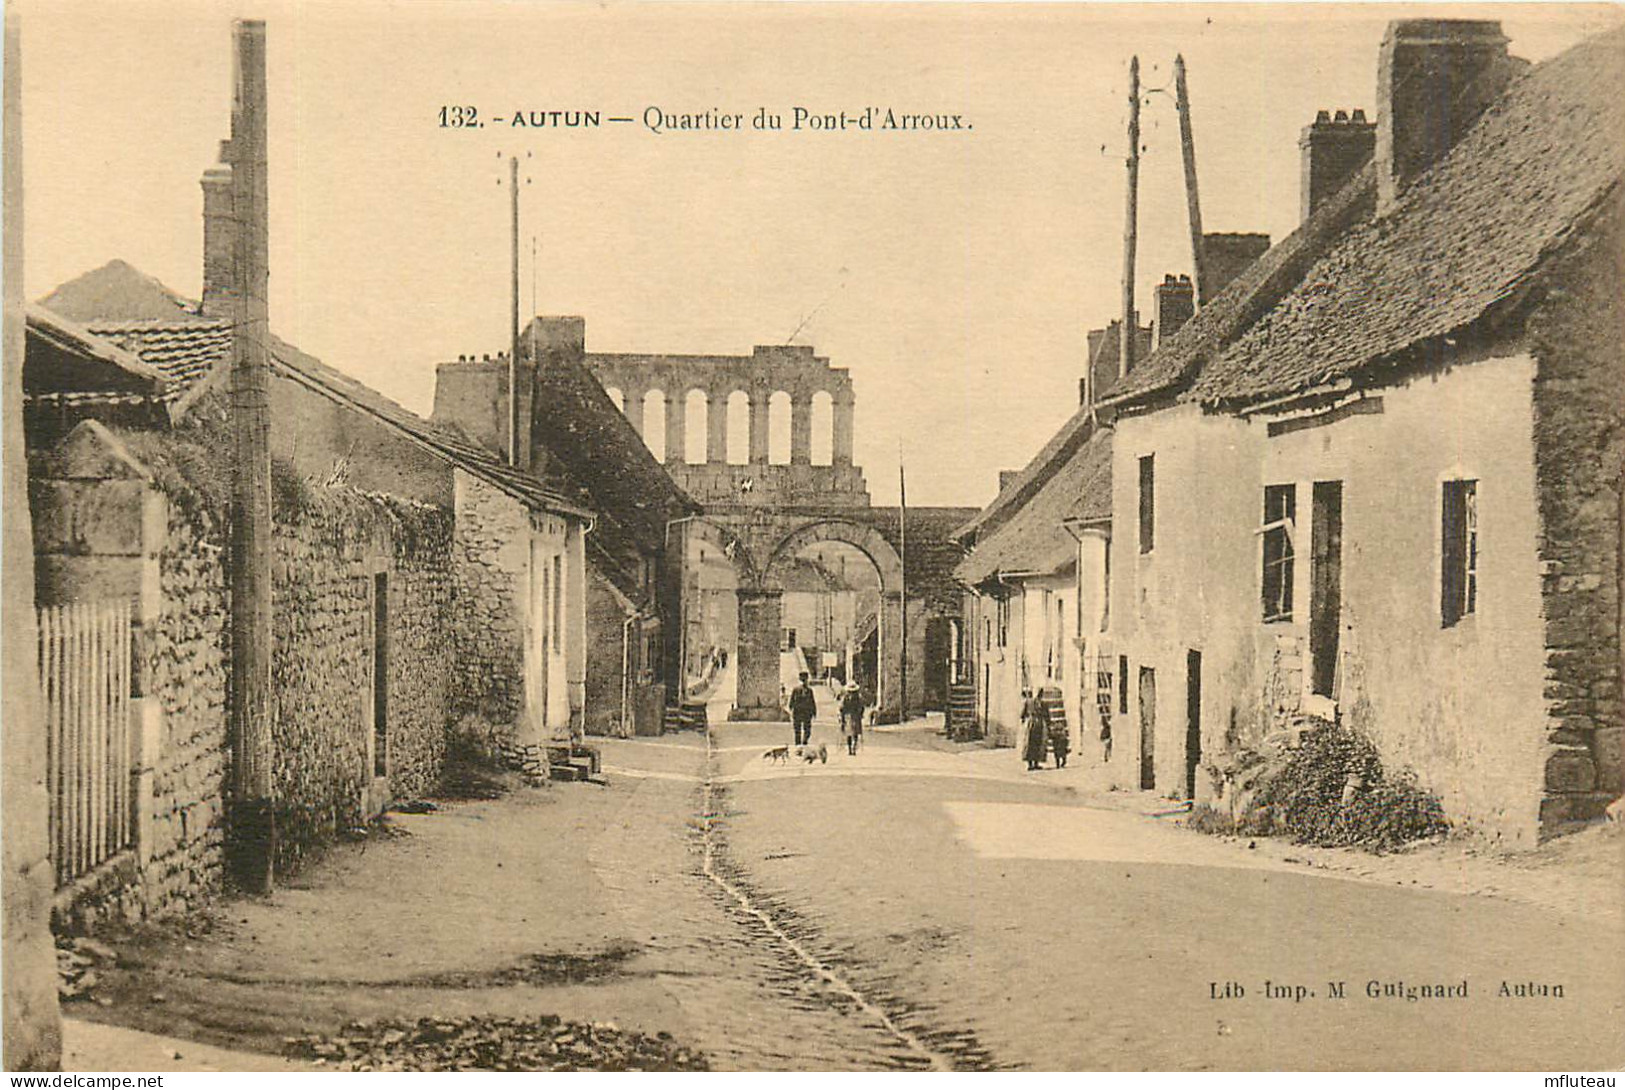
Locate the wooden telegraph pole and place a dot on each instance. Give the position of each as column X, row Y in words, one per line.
column 902, row 563
column 1193, row 203
column 253, row 749
column 513, row 348
column 1125, row 339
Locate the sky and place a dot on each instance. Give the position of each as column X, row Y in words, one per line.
column 954, row 273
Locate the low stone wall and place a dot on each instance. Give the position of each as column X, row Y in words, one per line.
column 334, row 550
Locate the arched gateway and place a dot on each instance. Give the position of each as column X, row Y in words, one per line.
column 762, row 519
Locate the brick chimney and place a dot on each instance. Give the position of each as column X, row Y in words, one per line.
column 219, row 239
column 1334, row 149
column 1225, row 255
column 1176, row 302
column 1434, row 78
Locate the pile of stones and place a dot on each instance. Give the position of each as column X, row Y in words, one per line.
column 545, row 1043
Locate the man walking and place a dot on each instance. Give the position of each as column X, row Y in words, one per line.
column 803, row 706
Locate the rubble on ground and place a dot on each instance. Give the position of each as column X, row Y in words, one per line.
column 546, row 1043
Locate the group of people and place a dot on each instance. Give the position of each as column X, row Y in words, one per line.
column 803, row 706
column 1040, row 733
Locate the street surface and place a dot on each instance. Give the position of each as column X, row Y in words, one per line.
column 921, row 905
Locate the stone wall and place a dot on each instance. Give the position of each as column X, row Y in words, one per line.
column 188, row 662
column 1579, row 463
column 611, row 653
column 489, row 560
column 327, row 566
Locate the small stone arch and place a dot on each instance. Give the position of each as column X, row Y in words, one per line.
column 730, row 545
column 866, row 539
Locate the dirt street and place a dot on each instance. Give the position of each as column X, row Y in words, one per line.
column 916, row 906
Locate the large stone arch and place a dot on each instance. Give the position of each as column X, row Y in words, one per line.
column 761, row 613
column 866, row 539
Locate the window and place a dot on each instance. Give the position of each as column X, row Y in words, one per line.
column 1122, row 684
column 1004, row 622
column 1458, row 582
column 1148, row 510
column 1280, row 513
column 787, row 639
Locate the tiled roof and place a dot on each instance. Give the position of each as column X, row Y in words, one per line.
column 1033, row 540
column 1464, row 237
column 184, row 351
column 165, row 332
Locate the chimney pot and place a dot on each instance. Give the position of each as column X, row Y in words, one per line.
column 1332, row 152
column 1176, row 302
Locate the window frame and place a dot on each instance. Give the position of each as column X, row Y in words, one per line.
column 1281, row 529
column 1460, row 550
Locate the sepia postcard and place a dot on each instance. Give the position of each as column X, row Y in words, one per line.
column 783, row 537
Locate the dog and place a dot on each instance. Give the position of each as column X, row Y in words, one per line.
column 780, row 754
column 814, row 753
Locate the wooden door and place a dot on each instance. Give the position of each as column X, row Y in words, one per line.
column 1193, row 720
column 1148, row 728
column 1326, row 584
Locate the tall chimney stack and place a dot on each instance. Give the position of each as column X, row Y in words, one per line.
column 1333, row 150
column 1176, row 303
column 219, row 238
column 1434, row 78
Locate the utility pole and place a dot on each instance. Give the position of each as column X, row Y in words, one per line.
column 902, row 563
column 1193, row 203
column 1125, row 339
column 253, row 747
column 513, row 349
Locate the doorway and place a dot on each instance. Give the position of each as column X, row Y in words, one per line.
column 1325, row 585
column 1193, row 720
column 1148, row 728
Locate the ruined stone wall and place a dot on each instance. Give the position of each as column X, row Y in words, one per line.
column 1580, row 465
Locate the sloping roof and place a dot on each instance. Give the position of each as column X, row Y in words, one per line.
column 1243, row 301
column 1463, row 237
column 118, row 292
column 167, row 334
column 448, row 444
column 122, row 371
column 601, row 451
column 1034, row 541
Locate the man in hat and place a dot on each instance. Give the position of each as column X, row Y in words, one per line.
column 803, row 706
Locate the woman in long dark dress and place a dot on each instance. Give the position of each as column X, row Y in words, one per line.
column 852, row 717
column 1034, row 715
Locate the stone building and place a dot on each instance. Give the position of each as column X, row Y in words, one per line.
column 574, row 442
column 1378, row 477
column 417, row 580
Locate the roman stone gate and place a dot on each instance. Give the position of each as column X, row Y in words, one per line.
column 764, row 443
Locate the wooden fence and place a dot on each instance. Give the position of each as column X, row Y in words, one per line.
column 85, row 672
